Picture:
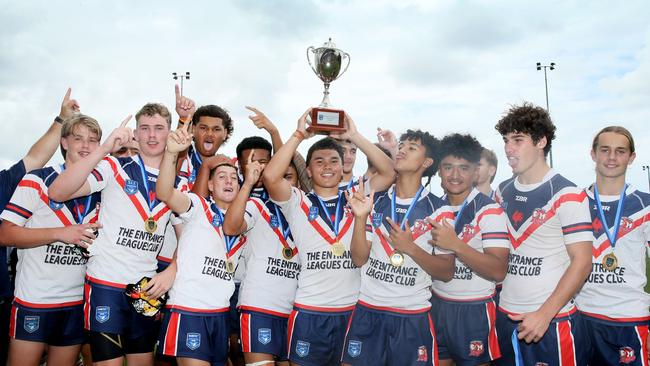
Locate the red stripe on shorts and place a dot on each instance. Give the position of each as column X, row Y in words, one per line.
column 171, row 335
column 566, row 345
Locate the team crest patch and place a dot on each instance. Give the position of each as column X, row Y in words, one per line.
column 216, row 221
column 468, row 232
column 264, row 335
column 354, row 348
column 130, row 187
column 422, row 354
column 193, row 341
column 55, row 206
column 377, row 217
column 539, row 216
column 31, row 323
column 102, row 313
column 475, row 348
column 419, row 227
column 302, row 348
column 313, row 213
column 274, row 221
column 347, row 211
column 626, row 355
column 625, row 226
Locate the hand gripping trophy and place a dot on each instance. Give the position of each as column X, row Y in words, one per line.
column 326, row 62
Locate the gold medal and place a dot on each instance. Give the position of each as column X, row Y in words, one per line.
column 397, row 259
column 230, row 266
column 150, row 225
column 287, row 253
column 610, row 262
column 337, row 249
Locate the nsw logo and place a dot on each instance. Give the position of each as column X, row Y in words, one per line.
column 193, row 341
column 274, row 221
column 313, row 213
column 354, row 348
column 102, row 313
column 376, row 219
column 216, row 221
column 302, row 348
column 130, row 187
column 264, row 335
column 31, row 323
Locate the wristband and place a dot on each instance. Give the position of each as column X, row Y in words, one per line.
column 58, row 119
column 299, row 135
column 182, row 121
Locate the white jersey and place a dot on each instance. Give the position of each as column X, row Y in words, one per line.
column 482, row 224
column 166, row 254
column 271, row 279
column 203, row 281
column 190, row 166
column 404, row 288
column 619, row 295
column 543, row 219
column 125, row 251
column 327, row 282
column 48, row 275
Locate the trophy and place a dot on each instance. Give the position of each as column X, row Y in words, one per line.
column 327, row 61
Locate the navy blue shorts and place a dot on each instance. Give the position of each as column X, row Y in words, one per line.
column 466, row 331
column 202, row 336
column 107, row 310
column 316, row 338
column 380, row 337
column 564, row 343
column 61, row 326
column 264, row 333
column 234, row 312
column 614, row 343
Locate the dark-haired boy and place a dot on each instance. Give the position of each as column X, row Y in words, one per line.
column 551, row 236
column 320, row 223
column 391, row 324
column 472, row 227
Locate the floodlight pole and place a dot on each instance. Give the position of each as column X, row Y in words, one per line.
column 176, row 76
column 550, row 67
column 647, row 170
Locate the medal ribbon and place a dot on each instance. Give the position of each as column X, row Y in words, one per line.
column 282, row 235
column 337, row 216
column 197, row 157
column 459, row 213
column 393, row 205
column 145, row 179
column 612, row 236
column 229, row 241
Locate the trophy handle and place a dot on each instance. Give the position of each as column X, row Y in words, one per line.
column 347, row 57
column 313, row 50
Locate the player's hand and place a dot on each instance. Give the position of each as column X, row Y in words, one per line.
column 216, row 160
column 119, row 138
column 303, row 125
column 185, row 106
column 261, row 121
column 161, row 282
column 387, row 139
column 360, row 204
column 253, row 170
column 350, row 129
column 533, row 326
column 81, row 235
column 179, row 140
column 401, row 239
column 443, row 235
column 69, row 107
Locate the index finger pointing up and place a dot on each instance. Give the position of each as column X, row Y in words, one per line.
column 177, row 90
column 67, row 94
column 250, row 156
column 126, row 121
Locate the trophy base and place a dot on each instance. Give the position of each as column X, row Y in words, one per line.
column 327, row 120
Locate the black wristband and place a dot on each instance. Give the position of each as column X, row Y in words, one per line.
column 58, row 119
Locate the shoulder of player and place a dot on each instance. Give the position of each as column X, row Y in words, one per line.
column 505, row 184
column 46, row 174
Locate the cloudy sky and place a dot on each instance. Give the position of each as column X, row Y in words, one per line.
column 443, row 66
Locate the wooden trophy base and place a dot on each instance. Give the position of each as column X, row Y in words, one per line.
column 327, row 120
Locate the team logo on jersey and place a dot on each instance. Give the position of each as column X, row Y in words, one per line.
column 626, row 355
column 274, row 221
column 31, row 323
column 422, row 354
column 468, row 232
column 475, row 348
column 55, row 206
column 193, row 341
column 377, row 217
column 420, row 226
column 264, row 335
column 102, row 313
column 216, row 221
column 625, row 226
column 302, row 348
column 347, row 211
column 539, row 216
column 313, row 213
column 130, row 187
column 354, row 348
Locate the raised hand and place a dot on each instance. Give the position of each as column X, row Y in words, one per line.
column 303, row 125
column 387, row 139
column 260, row 120
column 119, row 138
column 253, row 170
column 360, row 204
column 179, row 140
column 185, row 107
column 350, row 129
column 69, row 107
column 216, row 160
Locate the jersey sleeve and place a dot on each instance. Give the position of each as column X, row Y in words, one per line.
column 24, row 201
column 493, row 225
column 575, row 218
column 196, row 206
column 98, row 178
column 9, row 179
column 252, row 214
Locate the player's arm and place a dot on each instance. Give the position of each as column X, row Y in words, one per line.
column 279, row 188
column 361, row 206
column 261, row 121
column 440, row 267
column 177, row 201
column 234, row 223
column 72, row 182
column 185, row 108
column 23, row 238
column 492, row 264
column 200, row 187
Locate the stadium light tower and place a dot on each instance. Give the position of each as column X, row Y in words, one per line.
column 176, row 76
column 544, row 67
column 647, row 170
